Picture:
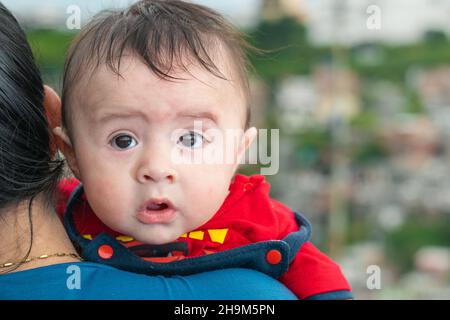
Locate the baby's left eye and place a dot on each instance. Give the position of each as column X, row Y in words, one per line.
column 123, row 142
column 191, row 140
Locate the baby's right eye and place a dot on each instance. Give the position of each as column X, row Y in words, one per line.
column 123, row 142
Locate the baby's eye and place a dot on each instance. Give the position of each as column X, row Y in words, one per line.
column 123, row 141
column 191, row 140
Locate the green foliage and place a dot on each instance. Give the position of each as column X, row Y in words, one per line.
column 367, row 121
column 418, row 231
column 310, row 146
column 285, row 46
column 359, row 228
column 368, row 153
column 414, row 104
column 367, row 148
column 49, row 47
column 396, row 60
column 435, row 36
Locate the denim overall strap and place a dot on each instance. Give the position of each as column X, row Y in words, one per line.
column 69, row 223
column 296, row 239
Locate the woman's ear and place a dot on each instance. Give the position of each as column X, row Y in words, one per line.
column 67, row 149
column 58, row 136
column 52, row 106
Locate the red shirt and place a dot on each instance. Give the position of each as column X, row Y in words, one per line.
column 248, row 215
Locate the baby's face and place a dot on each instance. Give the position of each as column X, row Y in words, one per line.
column 133, row 138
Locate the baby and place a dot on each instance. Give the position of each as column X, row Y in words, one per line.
column 146, row 92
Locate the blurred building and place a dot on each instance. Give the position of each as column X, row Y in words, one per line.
column 310, row 101
column 386, row 99
column 297, row 99
column 46, row 15
column 276, row 9
column 338, row 94
column 411, row 141
column 433, row 88
column 401, row 21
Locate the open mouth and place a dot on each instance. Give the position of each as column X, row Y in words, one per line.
column 157, row 211
column 157, row 206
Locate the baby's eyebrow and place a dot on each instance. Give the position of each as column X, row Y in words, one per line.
column 108, row 116
column 103, row 117
column 198, row 114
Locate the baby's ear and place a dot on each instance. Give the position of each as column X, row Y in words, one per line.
column 67, row 149
column 247, row 140
column 249, row 137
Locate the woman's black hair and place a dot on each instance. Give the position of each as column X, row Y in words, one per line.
column 26, row 166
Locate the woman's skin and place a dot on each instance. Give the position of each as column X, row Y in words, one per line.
column 49, row 236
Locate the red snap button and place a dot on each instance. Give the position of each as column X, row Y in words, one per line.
column 273, row 256
column 105, row 251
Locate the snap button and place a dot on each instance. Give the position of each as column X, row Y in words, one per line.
column 273, row 256
column 105, row 251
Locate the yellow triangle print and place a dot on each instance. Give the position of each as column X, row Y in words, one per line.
column 218, row 235
column 198, row 235
column 125, row 238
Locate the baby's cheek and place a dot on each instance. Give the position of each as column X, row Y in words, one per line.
column 214, row 197
column 100, row 202
column 107, row 203
column 210, row 192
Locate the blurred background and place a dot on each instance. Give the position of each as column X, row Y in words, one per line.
column 360, row 90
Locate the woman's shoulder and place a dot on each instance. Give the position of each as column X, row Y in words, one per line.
column 86, row 280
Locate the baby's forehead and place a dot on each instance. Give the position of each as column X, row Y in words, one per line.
column 191, row 89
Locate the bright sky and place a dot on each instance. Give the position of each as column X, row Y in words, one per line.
column 238, row 11
column 401, row 20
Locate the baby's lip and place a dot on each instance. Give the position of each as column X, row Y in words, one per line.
column 157, row 211
column 157, row 204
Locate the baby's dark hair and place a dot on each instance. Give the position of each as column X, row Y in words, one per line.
column 162, row 33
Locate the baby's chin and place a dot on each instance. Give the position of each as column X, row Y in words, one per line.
column 157, row 238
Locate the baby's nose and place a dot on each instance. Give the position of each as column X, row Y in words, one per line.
column 157, row 176
column 155, row 167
